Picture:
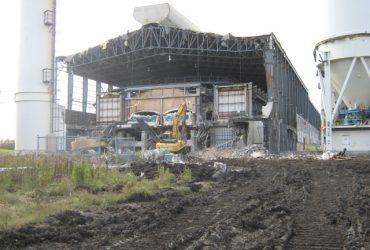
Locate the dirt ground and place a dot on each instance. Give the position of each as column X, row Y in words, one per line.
column 250, row 204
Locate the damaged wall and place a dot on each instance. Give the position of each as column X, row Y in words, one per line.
column 159, row 100
column 308, row 135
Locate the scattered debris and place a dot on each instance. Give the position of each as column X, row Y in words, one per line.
column 251, row 151
column 328, row 155
column 220, row 170
column 154, row 155
column 120, row 167
column 172, row 158
column 341, row 155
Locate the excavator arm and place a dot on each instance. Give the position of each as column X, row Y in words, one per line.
column 177, row 141
column 180, row 118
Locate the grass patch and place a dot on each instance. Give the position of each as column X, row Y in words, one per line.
column 33, row 188
column 184, row 190
column 146, row 187
column 6, row 152
column 186, row 176
column 205, row 186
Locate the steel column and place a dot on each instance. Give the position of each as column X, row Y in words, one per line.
column 328, row 103
column 70, row 90
column 84, row 94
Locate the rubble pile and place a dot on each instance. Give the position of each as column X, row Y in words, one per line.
column 253, row 151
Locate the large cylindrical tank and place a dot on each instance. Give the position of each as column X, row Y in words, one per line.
column 346, row 50
column 345, row 16
column 163, row 14
column 343, row 62
column 33, row 96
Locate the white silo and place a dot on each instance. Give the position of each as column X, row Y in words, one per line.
column 35, row 77
column 343, row 67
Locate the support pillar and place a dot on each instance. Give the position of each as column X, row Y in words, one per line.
column 70, row 90
column 98, row 88
column 97, row 96
column 143, row 140
column 328, row 103
column 84, row 94
column 193, row 141
column 250, row 101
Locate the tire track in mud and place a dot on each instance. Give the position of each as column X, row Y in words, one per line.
column 191, row 220
column 248, row 209
column 320, row 224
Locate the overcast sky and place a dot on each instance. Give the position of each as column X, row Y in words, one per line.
column 86, row 23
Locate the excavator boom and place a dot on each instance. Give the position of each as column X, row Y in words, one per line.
column 177, row 142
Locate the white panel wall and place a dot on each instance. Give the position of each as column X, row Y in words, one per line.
column 352, row 140
column 109, row 108
column 231, row 101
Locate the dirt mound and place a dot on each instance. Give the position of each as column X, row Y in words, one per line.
column 250, row 204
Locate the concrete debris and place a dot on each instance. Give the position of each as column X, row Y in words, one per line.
column 159, row 155
column 334, row 156
column 220, row 170
column 173, row 158
column 120, row 166
column 256, row 151
column 154, row 155
column 297, row 155
column 326, row 156
column 251, row 151
column 258, row 154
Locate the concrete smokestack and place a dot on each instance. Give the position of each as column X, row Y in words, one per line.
column 35, row 78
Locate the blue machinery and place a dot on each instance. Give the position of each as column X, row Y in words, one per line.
column 353, row 117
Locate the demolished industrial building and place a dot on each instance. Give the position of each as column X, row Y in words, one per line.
column 236, row 88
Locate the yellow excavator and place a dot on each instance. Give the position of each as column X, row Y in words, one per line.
column 176, row 142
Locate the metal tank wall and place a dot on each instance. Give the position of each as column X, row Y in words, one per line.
column 34, row 90
column 343, row 61
column 345, row 16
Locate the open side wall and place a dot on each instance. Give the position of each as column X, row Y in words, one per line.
column 161, row 55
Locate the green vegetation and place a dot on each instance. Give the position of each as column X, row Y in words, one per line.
column 6, row 152
column 33, row 188
column 7, row 144
column 186, row 176
column 205, row 186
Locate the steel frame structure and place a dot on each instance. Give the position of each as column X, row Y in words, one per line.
column 157, row 54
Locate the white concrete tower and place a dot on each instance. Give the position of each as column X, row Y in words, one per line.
column 35, row 77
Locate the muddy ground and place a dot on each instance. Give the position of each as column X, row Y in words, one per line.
column 250, row 204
